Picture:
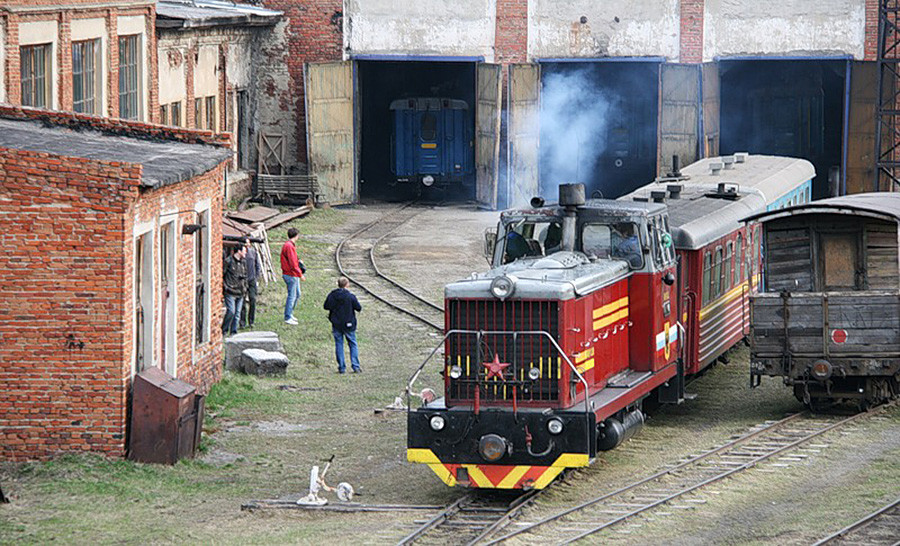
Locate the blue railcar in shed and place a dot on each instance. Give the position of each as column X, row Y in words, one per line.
column 431, row 141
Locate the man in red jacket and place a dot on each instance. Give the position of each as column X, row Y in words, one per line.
column 292, row 271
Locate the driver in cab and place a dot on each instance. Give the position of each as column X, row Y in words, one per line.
column 626, row 244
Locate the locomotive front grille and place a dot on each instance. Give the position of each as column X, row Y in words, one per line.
column 521, row 352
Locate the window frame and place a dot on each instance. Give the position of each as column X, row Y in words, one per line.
column 29, row 96
column 130, row 77
column 738, row 259
column 707, row 273
column 87, row 68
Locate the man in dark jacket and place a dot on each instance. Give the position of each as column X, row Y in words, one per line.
column 254, row 271
column 234, row 284
column 342, row 306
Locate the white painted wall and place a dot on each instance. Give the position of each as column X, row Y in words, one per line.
column 206, row 71
column 44, row 32
column 237, row 64
column 422, row 27
column 91, row 29
column 129, row 26
column 172, row 76
column 643, row 29
column 772, row 27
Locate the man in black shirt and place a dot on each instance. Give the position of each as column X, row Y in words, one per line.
column 342, row 306
column 254, row 270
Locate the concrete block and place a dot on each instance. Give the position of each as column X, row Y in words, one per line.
column 236, row 344
column 262, row 362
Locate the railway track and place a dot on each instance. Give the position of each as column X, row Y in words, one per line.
column 787, row 441
column 355, row 259
column 471, row 518
column 881, row 527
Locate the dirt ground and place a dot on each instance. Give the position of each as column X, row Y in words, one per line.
column 263, row 435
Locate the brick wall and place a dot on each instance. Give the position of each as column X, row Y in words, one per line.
column 691, row 46
column 511, row 35
column 314, row 34
column 31, row 12
column 67, row 268
column 871, row 43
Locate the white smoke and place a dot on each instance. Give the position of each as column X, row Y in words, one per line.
column 573, row 128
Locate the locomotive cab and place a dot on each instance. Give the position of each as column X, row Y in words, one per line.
column 548, row 356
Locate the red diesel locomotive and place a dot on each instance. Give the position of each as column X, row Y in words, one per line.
column 593, row 307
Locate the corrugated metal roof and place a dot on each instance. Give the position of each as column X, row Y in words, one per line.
column 210, row 13
column 883, row 204
column 165, row 162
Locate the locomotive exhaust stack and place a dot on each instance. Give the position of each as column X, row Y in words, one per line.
column 571, row 196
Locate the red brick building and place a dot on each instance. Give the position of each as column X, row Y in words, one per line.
column 80, row 55
column 110, row 262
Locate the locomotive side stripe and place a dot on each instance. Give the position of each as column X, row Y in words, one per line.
column 585, row 366
column 584, row 355
column 610, row 307
column 609, row 319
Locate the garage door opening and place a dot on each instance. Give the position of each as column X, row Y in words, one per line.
column 785, row 107
column 417, row 130
column 598, row 125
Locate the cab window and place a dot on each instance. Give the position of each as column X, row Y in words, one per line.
column 525, row 239
column 619, row 240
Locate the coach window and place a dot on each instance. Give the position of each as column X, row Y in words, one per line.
column 429, row 126
column 716, row 278
column 729, row 266
column 707, row 268
column 738, row 260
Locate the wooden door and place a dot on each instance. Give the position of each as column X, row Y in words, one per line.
column 679, row 114
column 331, row 144
column 488, row 82
column 524, row 132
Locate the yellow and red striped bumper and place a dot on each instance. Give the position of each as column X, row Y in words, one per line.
column 496, row 476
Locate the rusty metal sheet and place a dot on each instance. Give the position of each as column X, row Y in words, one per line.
column 330, row 129
column 679, row 114
column 524, row 132
column 487, row 133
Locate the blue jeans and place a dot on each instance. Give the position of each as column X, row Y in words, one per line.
column 233, row 306
column 293, row 295
column 339, row 349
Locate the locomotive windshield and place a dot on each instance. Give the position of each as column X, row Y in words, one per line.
column 620, row 240
column 531, row 238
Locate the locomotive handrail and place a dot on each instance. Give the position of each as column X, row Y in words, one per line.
column 480, row 333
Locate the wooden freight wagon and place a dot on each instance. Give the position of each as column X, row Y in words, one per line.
column 827, row 319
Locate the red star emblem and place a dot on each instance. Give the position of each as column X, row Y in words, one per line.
column 495, row 368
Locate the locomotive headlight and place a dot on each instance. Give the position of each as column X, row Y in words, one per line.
column 455, row 372
column 428, row 180
column 503, row 287
column 491, row 447
column 437, row 423
column 554, row 426
column 534, row 374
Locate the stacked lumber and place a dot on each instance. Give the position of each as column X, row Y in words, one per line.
column 254, row 224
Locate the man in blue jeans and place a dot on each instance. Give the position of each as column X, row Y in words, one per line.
column 292, row 271
column 234, row 284
column 342, row 306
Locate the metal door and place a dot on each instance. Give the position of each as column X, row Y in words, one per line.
column 860, row 142
column 487, row 133
column 330, row 140
column 709, row 127
column 679, row 114
column 524, row 132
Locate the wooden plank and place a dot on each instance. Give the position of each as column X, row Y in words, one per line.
column 253, row 214
column 287, row 216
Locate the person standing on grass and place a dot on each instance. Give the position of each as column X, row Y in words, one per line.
column 342, row 306
column 234, row 284
column 254, row 270
column 292, row 271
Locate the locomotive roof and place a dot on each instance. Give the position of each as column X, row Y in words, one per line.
column 592, row 207
column 884, row 205
column 701, row 214
column 773, row 175
column 560, row 276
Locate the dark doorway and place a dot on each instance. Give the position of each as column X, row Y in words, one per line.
column 791, row 108
column 598, row 126
column 380, row 84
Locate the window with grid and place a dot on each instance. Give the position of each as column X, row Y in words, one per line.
column 198, row 113
column 211, row 114
column 130, row 77
column 35, row 73
column 164, row 114
column 85, row 76
column 175, row 114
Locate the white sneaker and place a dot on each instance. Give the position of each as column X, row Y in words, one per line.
column 292, row 321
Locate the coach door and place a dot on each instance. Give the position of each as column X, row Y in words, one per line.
column 524, row 133
column 487, row 133
column 679, row 116
column 330, row 135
